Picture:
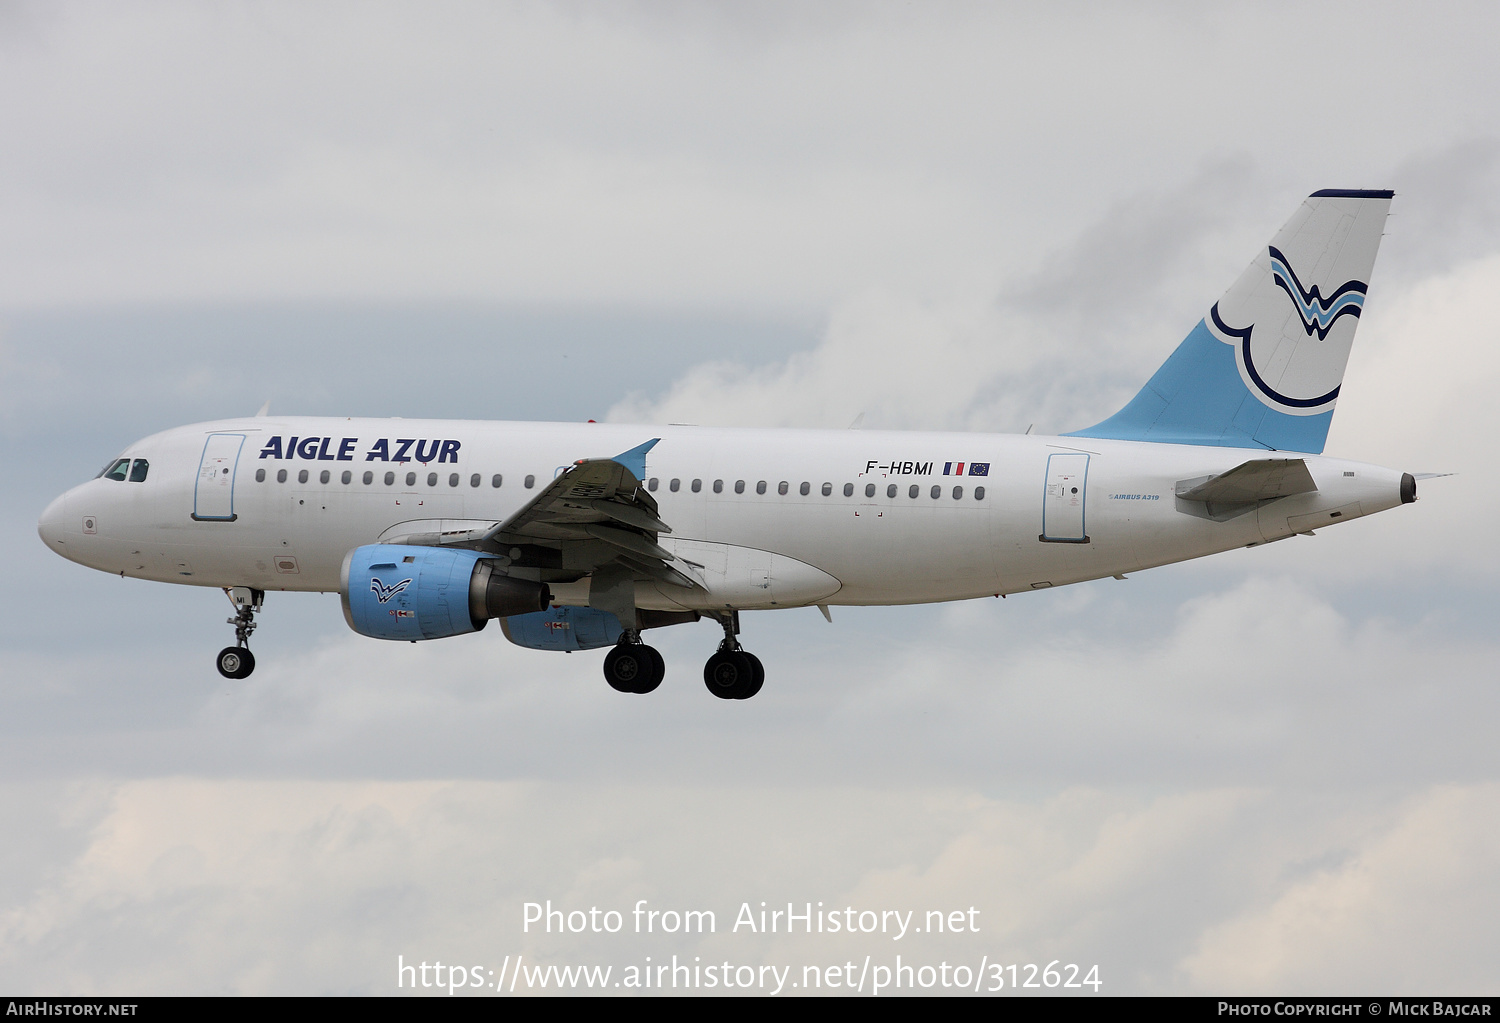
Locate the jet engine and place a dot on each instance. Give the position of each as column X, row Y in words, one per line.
column 581, row 628
column 397, row 592
column 563, row 628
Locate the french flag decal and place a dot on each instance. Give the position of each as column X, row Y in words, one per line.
column 948, row 469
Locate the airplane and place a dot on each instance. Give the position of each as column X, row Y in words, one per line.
column 430, row 528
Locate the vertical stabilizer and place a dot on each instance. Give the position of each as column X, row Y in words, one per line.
column 1263, row 369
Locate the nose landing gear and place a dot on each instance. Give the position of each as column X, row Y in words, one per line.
column 237, row 661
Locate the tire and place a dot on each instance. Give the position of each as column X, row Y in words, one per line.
column 729, row 673
column 651, row 679
column 235, row 662
column 758, row 680
column 626, row 666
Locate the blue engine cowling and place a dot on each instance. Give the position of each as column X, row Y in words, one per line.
column 563, row 628
column 397, row 592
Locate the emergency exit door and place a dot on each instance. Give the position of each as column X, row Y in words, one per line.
column 1063, row 506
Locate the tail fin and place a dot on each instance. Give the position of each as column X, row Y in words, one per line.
column 1263, row 370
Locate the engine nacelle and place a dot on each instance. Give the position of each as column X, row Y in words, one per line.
column 397, row 592
column 563, row 628
column 581, row 628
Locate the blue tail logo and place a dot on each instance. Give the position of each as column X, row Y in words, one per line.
column 1318, row 313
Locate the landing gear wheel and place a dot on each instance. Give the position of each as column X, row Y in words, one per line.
column 633, row 668
column 760, row 676
column 730, row 675
column 650, row 681
column 236, row 662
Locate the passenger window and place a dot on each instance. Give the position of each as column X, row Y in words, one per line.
column 138, row 470
column 805, row 489
column 739, row 486
column 496, row 480
column 760, row 488
column 937, row 492
column 117, row 471
column 529, row 482
column 453, row 479
column 848, row 490
column 652, row 484
column 979, row 493
column 324, row 476
column 302, row 476
column 369, row 477
column 827, row 489
column 390, row 479
column 432, row 479
column 958, row 493
column 411, row 479
column 675, row 486
column 474, row 480
column 782, row 488
column 869, row 490
column 347, row 477
column 890, row 491
column 914, row 491
column 260, row 475
column 718, row 486
column 697, row 486
column 280, row 475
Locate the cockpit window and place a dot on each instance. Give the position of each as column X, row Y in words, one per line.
column 138, row 470
column 118, row 470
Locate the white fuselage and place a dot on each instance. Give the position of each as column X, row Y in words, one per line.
column 753, row 549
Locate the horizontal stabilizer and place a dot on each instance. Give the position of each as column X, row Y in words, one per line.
column 1263, row 479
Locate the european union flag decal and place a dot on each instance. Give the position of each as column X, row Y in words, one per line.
column 979, row 468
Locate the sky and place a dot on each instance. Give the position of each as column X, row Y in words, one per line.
column 1267, row 772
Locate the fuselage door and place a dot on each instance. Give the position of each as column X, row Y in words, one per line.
column 1063, row 503
column 213, row 495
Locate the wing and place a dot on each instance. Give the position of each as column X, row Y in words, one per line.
column 595, row 514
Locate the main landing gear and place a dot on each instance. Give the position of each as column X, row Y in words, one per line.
column 632, row 666
column 733, row 673
column 237, row 661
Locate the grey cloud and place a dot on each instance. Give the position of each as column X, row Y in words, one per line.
column 185, row 886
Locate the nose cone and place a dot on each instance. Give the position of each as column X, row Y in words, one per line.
column 53, row 524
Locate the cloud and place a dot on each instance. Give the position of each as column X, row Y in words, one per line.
column 264, row 887
column 1081, row 315
column 654, row 155
column 1410, row 910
